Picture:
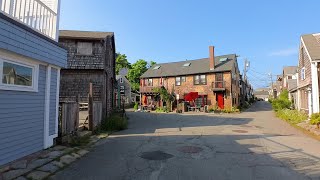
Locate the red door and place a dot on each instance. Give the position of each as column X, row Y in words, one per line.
column 220, row 100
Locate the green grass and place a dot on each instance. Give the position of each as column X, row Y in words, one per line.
column 79, row 141
column 292, row 116
column 114, row 123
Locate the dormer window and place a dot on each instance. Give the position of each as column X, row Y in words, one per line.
column 156, row 67
column 223, row 59
column 186, row 64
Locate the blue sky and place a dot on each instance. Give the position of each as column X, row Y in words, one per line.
column 265, row 32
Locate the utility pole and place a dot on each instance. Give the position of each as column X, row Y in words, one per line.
column 246, row 66
column 272, row 90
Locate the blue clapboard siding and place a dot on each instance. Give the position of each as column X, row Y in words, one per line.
column 22, row 121
column 17, row 39
column 53, row 101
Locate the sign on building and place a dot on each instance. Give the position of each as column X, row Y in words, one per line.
column 122, row 90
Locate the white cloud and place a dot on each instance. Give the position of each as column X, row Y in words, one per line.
column 285, row 52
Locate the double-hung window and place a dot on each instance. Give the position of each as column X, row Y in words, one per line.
column 200, row 79
column 178, row 81
column 148, row 82
column 18, row 76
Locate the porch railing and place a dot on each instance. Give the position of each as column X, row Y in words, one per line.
column 218, row 84
column 33, row 13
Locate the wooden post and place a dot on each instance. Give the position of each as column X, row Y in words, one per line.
column 90, row 107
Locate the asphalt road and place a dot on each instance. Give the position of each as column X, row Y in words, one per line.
column 250, row 145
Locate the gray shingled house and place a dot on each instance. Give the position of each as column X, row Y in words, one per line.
column 91, row 59
column 30, row 63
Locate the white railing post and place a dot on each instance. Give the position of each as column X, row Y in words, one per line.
column 0, row 5
column 11, row 7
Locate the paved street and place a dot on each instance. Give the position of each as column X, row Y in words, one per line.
column 251, row 145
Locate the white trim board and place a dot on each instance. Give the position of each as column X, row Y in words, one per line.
column 47, row 139
column 57, row 102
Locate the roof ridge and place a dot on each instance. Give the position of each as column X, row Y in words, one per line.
column 194, row 59
column 86, row 31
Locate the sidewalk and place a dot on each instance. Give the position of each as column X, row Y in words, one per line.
column 46, row 163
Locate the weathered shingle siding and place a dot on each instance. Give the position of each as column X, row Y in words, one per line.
column 78, row 61
column 304, row 61
column 53, row 101
column 317, row 36
column 22, row 121
column 18, row 40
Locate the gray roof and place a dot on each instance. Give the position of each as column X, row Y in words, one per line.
column 292, row 84
column 84, row 34
column 261, row 92
column 312, row 46
column 287, row 70
column 199, row 66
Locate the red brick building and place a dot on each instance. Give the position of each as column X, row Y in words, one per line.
column 215, row 79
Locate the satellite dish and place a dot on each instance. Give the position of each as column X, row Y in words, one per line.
column 123, row 71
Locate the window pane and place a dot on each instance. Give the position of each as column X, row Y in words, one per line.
column 178, row 81
column 183, row 79
column 16, row 74
column 203, row 79
column 196, row 80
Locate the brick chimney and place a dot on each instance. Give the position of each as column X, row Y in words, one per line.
column 211, row 57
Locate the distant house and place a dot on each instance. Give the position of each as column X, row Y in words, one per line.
column 308, row 73
column 215, row 80
column 246, row 91
column 124, row 91
column 262, row 93
column 289, row 73
column 91, row 59
column 30, row 63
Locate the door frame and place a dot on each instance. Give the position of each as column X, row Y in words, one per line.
column 217, row 99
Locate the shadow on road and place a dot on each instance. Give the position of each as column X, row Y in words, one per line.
column 178, row 146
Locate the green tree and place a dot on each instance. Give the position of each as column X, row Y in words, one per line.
column 137, row 69
column 150, row 64
column 165, row 96
column 122, row 62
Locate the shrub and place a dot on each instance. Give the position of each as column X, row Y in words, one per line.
column 279, row 104
column 211, row 110
column 292, row 116
column 115, row 123
column 79, row 141
column 162, row 109
column 136, row 106
column 315, row 119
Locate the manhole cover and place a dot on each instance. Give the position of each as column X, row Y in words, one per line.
column 190, row 149
column 155, row 155
column 240, row 131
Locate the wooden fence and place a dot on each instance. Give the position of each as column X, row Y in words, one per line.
column 69, row 117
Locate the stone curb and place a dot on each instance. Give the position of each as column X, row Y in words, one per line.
column 47, row 162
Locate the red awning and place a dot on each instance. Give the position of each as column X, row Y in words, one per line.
column 191, row 96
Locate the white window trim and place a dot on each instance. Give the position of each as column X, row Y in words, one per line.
column 11, row 87
column 304, row 73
